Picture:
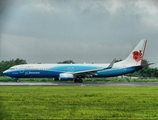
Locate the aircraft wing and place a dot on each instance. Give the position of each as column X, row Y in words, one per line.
column 93, row 71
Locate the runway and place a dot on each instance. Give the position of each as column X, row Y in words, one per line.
column 79, row 84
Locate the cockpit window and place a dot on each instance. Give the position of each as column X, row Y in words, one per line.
column 12, row 68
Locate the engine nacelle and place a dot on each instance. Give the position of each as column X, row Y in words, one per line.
column 66, row 76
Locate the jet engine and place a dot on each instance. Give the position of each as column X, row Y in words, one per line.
column 66, row 76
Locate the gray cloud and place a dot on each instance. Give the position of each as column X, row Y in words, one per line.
column 92, row 31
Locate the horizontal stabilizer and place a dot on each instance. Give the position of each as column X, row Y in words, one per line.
column 147, row 64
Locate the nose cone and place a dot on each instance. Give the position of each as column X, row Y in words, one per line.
column 5, row 72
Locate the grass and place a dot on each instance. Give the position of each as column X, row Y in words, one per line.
column 112, row 79
column 78, row 102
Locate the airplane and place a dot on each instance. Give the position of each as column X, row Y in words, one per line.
column 77, row 72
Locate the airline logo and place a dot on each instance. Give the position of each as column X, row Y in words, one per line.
column 137, row 55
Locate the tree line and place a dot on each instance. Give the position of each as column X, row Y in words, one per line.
column 145, row 72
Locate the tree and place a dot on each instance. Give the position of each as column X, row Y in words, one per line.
column 20, row 61
column 146, row 63
column 67, row 62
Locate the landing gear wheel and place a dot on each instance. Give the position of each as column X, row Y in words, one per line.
column 56, row 79
column 17, row 81
column 78, row 80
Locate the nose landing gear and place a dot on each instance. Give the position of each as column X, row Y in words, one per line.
column 16, row 79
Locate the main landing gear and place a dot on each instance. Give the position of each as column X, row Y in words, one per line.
column 78, row 80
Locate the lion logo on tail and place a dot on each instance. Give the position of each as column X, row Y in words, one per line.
column 137, row 55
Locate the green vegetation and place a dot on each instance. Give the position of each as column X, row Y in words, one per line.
column 9, row 79
column 78, row 102
column 67, row 62
column 112, row 79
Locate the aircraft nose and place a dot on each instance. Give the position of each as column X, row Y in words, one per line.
column 5, row 72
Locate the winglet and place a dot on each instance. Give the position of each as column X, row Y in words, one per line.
column 110, row 65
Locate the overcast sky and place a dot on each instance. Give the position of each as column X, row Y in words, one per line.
column 49, row 31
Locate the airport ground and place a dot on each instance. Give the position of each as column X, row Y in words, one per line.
column 78, row 102
column 7, row 81
column 111, row 98
column 86, row 80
